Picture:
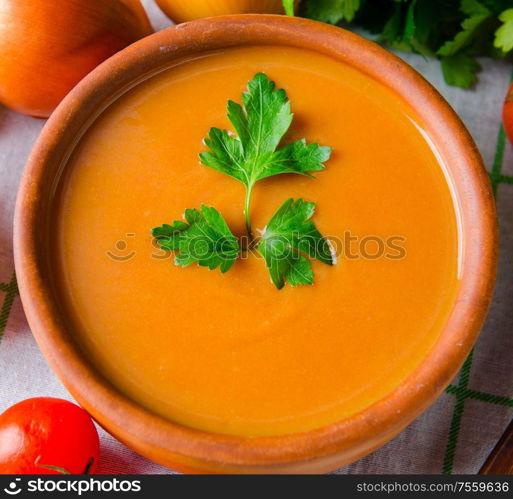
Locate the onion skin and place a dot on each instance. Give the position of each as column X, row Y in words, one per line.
column 49, row 46
column 180, row 11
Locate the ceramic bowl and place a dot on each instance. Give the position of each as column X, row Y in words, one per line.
column 188, row 449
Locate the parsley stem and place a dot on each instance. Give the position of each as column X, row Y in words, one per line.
column 249, row 191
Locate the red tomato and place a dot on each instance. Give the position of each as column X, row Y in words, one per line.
column 507, row 114
column 45, row 431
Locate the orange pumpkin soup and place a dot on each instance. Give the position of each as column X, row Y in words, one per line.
column 230, row 353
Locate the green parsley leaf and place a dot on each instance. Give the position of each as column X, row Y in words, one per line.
column 470, row 29
column 474, row 7
column 426, row 17
column 460, row 70
column 504, row 35
column 289, row 236
column 288, row 6
column 404, row 23
column 332, row 11
column 441, row 28
column 260, row 123
column 204, row 237
column 410, row 21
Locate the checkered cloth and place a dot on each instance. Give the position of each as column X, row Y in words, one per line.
column 454, row 436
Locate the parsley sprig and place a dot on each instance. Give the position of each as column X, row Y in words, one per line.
column 291, row 237
column 261, row 122
column 454, row 31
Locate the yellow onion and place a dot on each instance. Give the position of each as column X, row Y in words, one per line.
column 186, row 10
column 48, row 46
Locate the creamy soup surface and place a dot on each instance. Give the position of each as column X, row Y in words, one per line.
column 229, row 353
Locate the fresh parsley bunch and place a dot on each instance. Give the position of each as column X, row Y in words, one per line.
column 290, row 237
column 454, row 31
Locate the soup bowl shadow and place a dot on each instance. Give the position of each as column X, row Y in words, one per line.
column 187, row 449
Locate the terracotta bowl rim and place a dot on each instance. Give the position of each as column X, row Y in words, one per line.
column 142, row 429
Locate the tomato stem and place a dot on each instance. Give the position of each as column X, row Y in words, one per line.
column 64, row 471
column 89, row 465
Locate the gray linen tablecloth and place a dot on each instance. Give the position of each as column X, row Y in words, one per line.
column 454, row 436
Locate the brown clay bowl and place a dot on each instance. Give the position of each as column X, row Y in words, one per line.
column 187, row 449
